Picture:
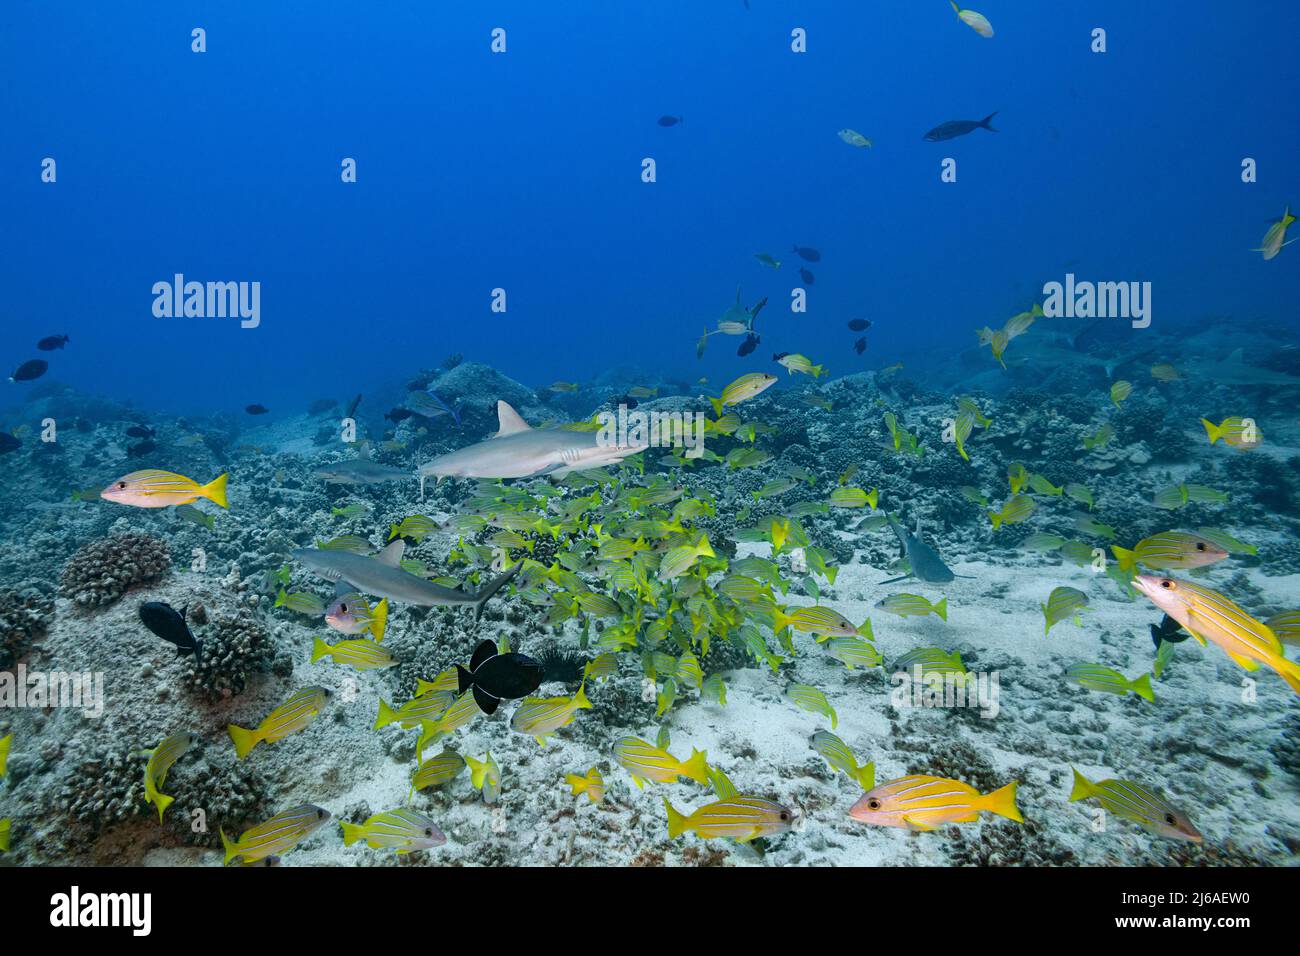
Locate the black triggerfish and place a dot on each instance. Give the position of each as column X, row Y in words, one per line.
column 495, row 677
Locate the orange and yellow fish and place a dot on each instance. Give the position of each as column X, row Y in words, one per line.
column 922, row 802
column 152, row 488
column 1209, row 616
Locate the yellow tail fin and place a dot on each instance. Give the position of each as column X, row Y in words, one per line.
column 717, row 407
column 676, row 822
column 352, row 832
column 386, row 715
column 1212, row 430
column 697, row 768
column 1003, row 802
column 1289, row 670
column 215, row 490
column 379, row 620
column 942, row 609
column 1125, row 557
column 232, row 849
column 1142, row 687
column 319, row 649
column 1082, row 787
column 245, row 740
column 580, row 701
column 866, row 776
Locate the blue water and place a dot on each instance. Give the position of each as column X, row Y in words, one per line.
column 522, row 171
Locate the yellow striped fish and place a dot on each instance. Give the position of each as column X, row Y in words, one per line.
column 818, row 619
column 644, row 761
column 1275, row 239
column 742, row 389
column 543, row 716
column 591, row 783
column 1135, row 802
column 4, row 835
column 740, row 818
column 5, row 742
column 162, row 489
column 1285, row 625
column 922, row 802
column 362, row 655
column 1169, row 550
column 429, row 706
column 438, row 770
column 161, row 759
column 403, row 830
column 277, row 835
column 293, row 715
column 1209, row 616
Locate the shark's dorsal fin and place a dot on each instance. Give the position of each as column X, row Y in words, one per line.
column 392, row 555
column 511, row 422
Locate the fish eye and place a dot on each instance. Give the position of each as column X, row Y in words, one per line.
column 873, row 804
column 1167, row 584
column 121, row 484
column 343, row 609
column 428, row 833
column 1200, row 546
column 1169, row 819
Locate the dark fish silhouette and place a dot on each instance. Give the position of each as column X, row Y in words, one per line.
column 29, row 370
column 52, row 342
column 808, row 254
column 8, row 443
column 1169, row 631
column 496, row 677
column 860, row 345
column 750, row 343
column 627, row 400
column 257, row 409
column 954, row 128
column 667, row 121
column 140, row 431
column 140, row 449
column 806, row 276
column 859, row 325
column 171, row 626
column 398, row 414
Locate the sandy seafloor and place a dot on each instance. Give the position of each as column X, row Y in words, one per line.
column 1206, row 749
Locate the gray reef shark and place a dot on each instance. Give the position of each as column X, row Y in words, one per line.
column 924, row 561
column 1234, row 371
column 519, row 451
column 382, row 575
column 358, row 471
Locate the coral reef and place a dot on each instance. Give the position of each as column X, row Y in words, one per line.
column 102, row 571
column 24, row 616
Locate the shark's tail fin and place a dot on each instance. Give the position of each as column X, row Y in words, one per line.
column 492, row 588
column 986, row 121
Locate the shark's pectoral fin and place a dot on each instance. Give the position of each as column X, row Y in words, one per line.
column 895, row 580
